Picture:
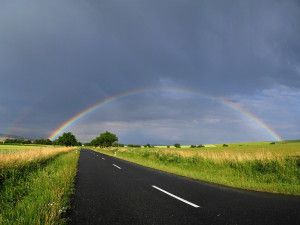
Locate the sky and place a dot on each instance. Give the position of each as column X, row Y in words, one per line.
column 58, row 58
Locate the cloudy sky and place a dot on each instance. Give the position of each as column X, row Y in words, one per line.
column 58, row 58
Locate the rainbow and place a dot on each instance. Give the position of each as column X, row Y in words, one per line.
column 120, row 96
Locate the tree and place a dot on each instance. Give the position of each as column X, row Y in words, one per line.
column 43, row 142
column 55, row 142
column 133, row 146
column 17, row 141
column 177, row 145
column 117, row 145
column 67, row 139
column 106, row 139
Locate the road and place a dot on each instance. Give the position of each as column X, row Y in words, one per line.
column 114, row 191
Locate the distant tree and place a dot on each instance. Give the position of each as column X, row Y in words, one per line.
column 27, row 141
column 106, row 139
column 117, row 145
column 177, row 145
column 11, row 141
column 55, row 142
column 134, row 146
column 225, row 145
column 17, row 141
column 193, row 146
column 200, row 146
column 147, row 145
column 43, row 142
column 67, row 139
column 88, row 144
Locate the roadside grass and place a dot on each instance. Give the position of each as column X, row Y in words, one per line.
column 5, row 148
column 35, row 185
column 263, row 167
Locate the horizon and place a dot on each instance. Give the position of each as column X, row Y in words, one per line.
column 170, row 144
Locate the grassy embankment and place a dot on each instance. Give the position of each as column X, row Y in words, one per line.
column 261, row 166
column 36, row 183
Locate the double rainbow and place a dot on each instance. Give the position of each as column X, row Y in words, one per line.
column 120, row 96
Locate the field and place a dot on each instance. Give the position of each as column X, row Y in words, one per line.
column 36, row 183
column 4, row 148
column 263, row 166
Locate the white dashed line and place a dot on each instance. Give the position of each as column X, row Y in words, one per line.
column 178, row 198
column 117, row 166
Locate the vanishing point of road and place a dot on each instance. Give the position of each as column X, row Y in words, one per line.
column 113, row 191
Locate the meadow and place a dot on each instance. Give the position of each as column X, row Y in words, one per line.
column 262, row 166
column 36, row 183
column 6, row 148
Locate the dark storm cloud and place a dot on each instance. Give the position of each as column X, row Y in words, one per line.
column 60, row 57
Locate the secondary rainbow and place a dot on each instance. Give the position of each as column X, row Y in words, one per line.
column 120, row 96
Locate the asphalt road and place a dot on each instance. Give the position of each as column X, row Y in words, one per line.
column 114, row 191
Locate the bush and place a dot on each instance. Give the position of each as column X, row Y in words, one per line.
column 117, row 145
column 225, row 145
column 177, row 145
column 134, row 146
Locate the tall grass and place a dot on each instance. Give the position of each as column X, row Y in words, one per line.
column 20, row 147
column 36, row 185
column 22, row 158
column 248, row 168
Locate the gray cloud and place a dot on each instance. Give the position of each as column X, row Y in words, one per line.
column 58, row 58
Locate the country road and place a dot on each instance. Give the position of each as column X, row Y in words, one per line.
column 114, row 191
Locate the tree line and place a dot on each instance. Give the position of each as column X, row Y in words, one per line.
column 67, row 139
column 104, row 140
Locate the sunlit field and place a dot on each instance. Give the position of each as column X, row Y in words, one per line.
column 241, row 151
column 5, row 148
column 36, row 183
column 263, row 166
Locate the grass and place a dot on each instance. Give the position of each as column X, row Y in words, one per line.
column 36, row 185
column 261, row 166
column 5, row 148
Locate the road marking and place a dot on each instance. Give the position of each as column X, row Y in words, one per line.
column 103, row 158
column 174, row 196
column 117, row 166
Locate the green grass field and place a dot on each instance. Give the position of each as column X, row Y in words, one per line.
column 36, row 183
column 260, row 166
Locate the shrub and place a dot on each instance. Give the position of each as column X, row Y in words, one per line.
column 134, row 146
column 177, row 145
